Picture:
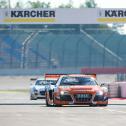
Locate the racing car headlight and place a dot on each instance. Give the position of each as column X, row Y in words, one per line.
column 99, row 93
column 63, row 92
column 35, row 90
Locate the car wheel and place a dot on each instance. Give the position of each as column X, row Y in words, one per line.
column 47, row 104
column 46, row 100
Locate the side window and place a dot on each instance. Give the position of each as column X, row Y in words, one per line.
column 63, row 80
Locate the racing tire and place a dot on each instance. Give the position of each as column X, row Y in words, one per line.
column 47, row 104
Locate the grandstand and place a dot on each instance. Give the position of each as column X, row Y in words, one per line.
column 60, row 46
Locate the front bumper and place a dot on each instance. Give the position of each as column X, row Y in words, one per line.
column 39, row 94
column 80, row 99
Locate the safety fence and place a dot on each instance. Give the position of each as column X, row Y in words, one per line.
column 61, row 48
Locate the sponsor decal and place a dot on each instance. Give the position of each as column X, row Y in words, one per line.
column 63, row 16
column 82, row 95
column 30, row 16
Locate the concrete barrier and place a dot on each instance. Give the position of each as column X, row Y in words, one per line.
column 113, row 89
column 123, row 89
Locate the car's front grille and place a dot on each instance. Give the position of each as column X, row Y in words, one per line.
column 42, row 92
column 65, row 98
column 83, row 97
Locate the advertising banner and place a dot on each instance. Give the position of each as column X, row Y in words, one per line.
column 62, row 16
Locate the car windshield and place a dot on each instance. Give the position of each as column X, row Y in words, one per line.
column 45, row 82
column 77, row 81
column 52, row 82
column 41, row 82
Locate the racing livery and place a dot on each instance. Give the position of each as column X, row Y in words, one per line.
column 77, row 90
column 37, row 90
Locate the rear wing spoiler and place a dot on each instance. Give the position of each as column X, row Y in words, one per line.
column 92, row 75
column 86, row 75
column 48, row 77
column 56, row 76
column 52, row 76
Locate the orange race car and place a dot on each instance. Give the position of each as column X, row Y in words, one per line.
column 77, row 90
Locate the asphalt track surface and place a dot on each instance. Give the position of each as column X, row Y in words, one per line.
column 17, row 110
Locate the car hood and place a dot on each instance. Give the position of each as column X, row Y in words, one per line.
column 80, row 89
column 39, row 87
